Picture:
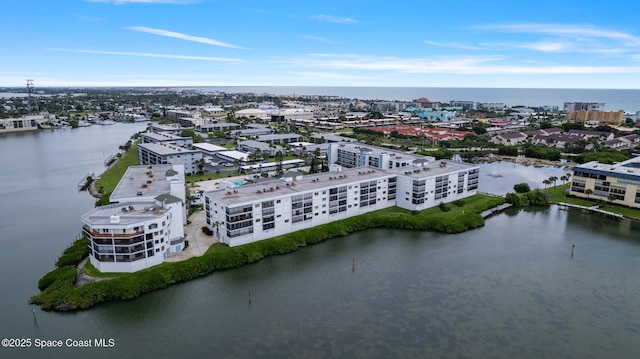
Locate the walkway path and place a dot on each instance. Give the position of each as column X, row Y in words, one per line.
column 198, row 241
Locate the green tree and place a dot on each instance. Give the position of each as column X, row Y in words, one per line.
column 279, row 158
column 521, row 188
column 191, row 133
column 508, row 150
column 201, row 164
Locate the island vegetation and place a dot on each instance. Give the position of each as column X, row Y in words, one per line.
column 60, row 293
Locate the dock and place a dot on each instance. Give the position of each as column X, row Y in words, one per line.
column 591, row 210
column 111, row 159
column 86, row 181
column 495, row 210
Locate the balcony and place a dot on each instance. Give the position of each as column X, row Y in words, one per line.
column 98, row 234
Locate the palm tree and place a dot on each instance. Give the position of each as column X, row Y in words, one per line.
column 546, row 183
column 588, row 192
column 553, row 179
column 611, row 197
column 216, row 224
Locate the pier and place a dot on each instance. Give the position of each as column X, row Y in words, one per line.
column 111, row 159
column 86, row 181
column 495, row 210
column 591, row 210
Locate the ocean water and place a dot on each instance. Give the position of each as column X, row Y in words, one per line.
column 627, row 100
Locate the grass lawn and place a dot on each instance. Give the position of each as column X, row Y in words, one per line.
column 224, row 173
column 92, row 271
column 110, row 178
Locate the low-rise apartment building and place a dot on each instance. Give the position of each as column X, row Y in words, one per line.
column 165, row 137
column 249, row 213
column 165, row 153
column 618, row 182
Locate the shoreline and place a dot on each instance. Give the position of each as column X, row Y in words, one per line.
column 62, row 295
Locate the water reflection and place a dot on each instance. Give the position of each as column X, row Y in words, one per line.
column 500, row 177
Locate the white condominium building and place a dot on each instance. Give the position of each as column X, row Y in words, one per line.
column 166, row 137
column 144, row 223
column 249, row 213
column 165, row 153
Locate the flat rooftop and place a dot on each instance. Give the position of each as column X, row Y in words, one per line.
column 152, row 181
column 209, row 147
column 373, row 150
column 164, row 149
column 162, row 136
column 236, row 155
column 129, row 213
column 629, row 169
column 279, row 187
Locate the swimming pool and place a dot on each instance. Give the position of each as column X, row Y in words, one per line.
column 238, row 183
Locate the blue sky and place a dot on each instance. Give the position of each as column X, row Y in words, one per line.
column 456, row 43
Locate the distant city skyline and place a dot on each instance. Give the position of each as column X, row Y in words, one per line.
column 459, row 43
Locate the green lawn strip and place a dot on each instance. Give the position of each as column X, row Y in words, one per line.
column 110, row 178
column 558, row 195
column 92, row 271
column 224, row 173
column 60, row 294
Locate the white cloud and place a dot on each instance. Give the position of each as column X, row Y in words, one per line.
column 146, row 54
column 454, row 45
column 484, row 65
column 318, row 39
column 335, row 19
column 181, row 36
column 573, row 31
column 326, row 76
column 546, row 46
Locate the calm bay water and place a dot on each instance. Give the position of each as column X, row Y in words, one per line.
column 509, row 289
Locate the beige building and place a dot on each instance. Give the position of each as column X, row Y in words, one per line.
column 610, row 118
column 619, row 182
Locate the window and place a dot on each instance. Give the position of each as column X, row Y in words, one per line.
column 153, row 226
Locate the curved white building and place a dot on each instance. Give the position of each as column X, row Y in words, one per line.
column 135, row 235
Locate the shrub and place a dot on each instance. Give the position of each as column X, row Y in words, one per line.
column 459, row 202
column 444, row 207
column 521, row 188
column 75, row 253
column 533, row 198
column 65, row 273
